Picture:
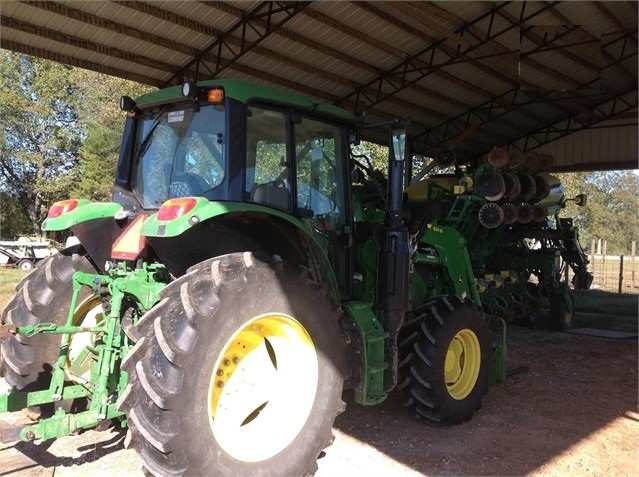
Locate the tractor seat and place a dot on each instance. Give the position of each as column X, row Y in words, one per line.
column 270, row 194
column 187, row 184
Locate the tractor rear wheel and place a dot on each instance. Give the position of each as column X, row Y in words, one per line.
column 445, row 359
column 43, row 296
column 238, row 372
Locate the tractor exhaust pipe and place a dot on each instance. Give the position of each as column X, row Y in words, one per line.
column 393, row 257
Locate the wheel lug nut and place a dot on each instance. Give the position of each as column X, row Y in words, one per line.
column 226, row 362
column 220, row 384
column 220, row 372
column 236, row 360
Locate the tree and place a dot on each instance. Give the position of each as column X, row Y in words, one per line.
column 14, row 222
column 39, row 133
column 103, row 122
column 612, row 210
column 376, row 153
column 60, row 132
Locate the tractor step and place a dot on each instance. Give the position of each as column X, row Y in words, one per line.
column 373, row 337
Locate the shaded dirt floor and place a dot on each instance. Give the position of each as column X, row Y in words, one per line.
column 568, row 408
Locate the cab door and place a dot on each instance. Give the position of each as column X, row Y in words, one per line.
column 320, row 151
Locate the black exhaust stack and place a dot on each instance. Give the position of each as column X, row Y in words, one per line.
column 393, row 257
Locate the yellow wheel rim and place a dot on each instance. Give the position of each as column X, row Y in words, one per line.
column 262, row 387
column 567, row 316
column 463, row 360
column 79, row 359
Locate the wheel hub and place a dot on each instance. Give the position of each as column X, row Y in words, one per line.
column 463, row 360
column 81, row 355
column 262, row 387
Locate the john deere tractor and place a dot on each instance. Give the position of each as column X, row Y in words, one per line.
column 249, row 268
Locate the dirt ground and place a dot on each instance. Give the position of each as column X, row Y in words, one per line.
column 568, row 408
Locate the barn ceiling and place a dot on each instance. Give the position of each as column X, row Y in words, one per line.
column 468, row 75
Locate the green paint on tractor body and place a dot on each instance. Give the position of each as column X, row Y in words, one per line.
column 271, row 176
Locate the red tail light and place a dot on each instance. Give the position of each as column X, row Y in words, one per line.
column 174, row 208
column 62, row 207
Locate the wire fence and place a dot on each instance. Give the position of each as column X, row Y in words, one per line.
column 614, row 273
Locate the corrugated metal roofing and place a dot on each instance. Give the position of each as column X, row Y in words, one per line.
column 469, row 75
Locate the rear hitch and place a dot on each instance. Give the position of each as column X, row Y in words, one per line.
column 93, row 371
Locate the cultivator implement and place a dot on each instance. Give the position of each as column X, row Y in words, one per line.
column 507, row 212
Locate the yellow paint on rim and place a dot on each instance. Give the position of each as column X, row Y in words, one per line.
column 79, row 362
column 263, row 387
column 463, row 361
column 567, row 315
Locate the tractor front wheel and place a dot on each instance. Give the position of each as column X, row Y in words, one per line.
column 562, row 306
column 445, row 356
column 239, row 372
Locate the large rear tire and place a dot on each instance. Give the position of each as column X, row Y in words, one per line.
column 43, row 296
column 238, row 372
column 445, row 359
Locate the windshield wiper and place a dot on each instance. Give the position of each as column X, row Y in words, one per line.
column 147, row 139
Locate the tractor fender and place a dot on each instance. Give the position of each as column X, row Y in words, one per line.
column 65, row 214
column 211, row 229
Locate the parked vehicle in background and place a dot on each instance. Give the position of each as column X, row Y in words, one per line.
column 24, row 254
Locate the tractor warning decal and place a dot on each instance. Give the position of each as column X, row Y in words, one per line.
column 130, row 243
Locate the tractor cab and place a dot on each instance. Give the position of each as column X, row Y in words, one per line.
column 270, row 164
column 211, row 141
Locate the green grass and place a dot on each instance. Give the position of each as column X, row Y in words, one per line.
column 607, row 310
column 9, row 277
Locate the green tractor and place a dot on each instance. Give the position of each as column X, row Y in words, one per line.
column 249, row 268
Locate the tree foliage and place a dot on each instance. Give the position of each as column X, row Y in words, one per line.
column 13, row 221
column 100, row 116
column 612, row 210
column 377, row 154
column 60, row 130
column 39, row 136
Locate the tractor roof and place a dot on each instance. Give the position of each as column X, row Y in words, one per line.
column 245, row 91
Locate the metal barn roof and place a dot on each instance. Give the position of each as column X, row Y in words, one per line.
column 548, row 77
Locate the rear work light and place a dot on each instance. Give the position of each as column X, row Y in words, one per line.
column 62, row 207
column 174, row 208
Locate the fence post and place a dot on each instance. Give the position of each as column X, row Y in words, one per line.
column 603, row 262
column 591, row 258
column 632, row 259
column 620, row 273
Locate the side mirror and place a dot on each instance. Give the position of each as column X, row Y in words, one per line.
column 353, row 138
column 127, row 104
column 398, row 141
